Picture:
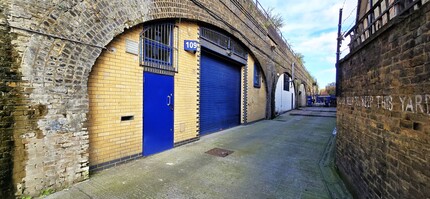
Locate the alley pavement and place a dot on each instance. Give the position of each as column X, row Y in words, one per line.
column 288, row 157
column 316, row 112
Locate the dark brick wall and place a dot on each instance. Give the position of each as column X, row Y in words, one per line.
column 8, row 79
column 383, row 145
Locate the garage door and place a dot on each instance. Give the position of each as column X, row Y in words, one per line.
column 219, row 94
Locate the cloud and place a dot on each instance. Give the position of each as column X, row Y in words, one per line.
column 308, row 19
column 311, row 29
column 321, row 43
column 330, row 71
column 331, row 60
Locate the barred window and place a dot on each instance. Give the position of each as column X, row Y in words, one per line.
column 158, row 44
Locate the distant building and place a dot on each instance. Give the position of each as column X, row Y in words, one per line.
column 331, row 88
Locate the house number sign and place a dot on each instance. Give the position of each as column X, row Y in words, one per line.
column 190, row 45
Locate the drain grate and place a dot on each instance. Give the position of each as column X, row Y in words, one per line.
column 219, row 152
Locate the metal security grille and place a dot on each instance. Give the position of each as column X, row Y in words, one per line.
column 158, row 47
column 237, row 49
column 223, row 41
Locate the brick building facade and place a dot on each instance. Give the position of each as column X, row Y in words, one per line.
column 55, row 54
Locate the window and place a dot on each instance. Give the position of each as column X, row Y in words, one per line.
column 257, row 76
column 286, row 82
column 158, row 44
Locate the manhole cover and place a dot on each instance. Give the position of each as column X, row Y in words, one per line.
column 219, row 152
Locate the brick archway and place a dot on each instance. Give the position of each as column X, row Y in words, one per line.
column 59, row 43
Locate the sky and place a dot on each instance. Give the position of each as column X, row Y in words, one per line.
column 311, row 29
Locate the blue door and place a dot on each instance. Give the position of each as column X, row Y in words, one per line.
column 157, row 113
column 219, row 94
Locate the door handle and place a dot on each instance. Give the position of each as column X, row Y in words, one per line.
column 169, row 100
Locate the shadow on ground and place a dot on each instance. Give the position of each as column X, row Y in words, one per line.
column 289, row 157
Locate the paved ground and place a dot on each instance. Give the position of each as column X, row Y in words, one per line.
column 316, row 112
column 289, row 157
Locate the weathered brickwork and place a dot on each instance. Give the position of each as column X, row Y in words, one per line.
column 8, row 80
column 56, row 45
column 383, row 144
column 115, row 89
column 301, row 98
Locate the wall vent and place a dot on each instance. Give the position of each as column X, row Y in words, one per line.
column 132, row 47
column 127, row 118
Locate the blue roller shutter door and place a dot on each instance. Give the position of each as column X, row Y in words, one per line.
column 219, row 94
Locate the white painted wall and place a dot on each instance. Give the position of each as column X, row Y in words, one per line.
column 283, row 100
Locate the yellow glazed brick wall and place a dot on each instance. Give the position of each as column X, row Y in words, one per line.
column 115, row 89
column 256, row 96
column 186, row 85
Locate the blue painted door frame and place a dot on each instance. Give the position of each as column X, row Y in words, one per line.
column 157, row 113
